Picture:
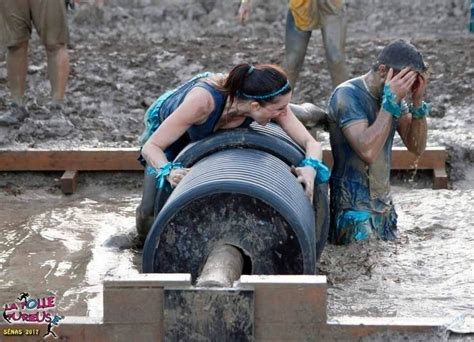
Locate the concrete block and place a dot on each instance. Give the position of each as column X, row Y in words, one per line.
column 133, row 305
column 208, row 315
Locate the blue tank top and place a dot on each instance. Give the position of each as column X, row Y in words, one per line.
column 167, row 103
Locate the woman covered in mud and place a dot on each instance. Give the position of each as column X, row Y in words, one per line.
column 211, row 102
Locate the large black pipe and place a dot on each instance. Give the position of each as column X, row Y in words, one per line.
column 270, row 139
column 241, row 197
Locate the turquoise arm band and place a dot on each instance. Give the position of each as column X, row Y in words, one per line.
column 420, row 112
column 163, row 172
column 322, row 171
column 389, row 102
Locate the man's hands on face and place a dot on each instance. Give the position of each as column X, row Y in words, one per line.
column 419, row 89
column 401, row 84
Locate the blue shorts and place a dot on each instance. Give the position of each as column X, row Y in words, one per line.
column 356, row 225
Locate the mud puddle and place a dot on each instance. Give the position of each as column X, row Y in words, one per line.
column 428, row 271
column 67, row 246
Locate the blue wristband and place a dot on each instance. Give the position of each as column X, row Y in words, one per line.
column 322, row 171
column 420, row 112
column 163, row 172
column 389, row 102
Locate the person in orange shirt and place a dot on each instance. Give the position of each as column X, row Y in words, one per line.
column 303, row 17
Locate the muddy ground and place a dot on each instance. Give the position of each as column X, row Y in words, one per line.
column 125, row 54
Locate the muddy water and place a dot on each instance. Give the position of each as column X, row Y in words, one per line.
column 62, row 245
column 68, row 245
column 428, row 271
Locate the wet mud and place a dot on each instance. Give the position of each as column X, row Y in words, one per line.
column 67, row 245
column 125, row 54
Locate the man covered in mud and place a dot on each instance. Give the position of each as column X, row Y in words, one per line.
column 17, row 17
column 303, row 17
column 364, row 114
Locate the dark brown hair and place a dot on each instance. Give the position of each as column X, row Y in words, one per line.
column 261, row 83
column 400, row 54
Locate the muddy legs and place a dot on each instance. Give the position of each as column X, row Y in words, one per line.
column 296, row 43
column 145, row 211
column 334, row 38
column 58, row 70
column 17, row 67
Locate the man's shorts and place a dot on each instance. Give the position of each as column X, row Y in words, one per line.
column 17, row 18
column 355, row 225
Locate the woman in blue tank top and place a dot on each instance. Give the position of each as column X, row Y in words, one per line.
column 210, row 102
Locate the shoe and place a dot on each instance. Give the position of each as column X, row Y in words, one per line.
column 17, row 115
column 309, row 114
column 58, row 125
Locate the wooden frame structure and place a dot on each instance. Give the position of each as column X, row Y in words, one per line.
column 125, row 159
column 284, row 308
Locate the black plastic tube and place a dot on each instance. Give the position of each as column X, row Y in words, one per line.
column 247, row 172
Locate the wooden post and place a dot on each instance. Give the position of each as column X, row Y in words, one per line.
column 440, row 179
column 223, row 266
column 69, row 182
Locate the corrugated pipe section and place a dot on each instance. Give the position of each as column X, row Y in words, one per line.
column 247, row 172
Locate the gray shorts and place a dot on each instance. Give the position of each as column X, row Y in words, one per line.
column 17, row 18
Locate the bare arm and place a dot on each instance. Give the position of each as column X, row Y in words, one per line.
column 295, row 129
column 414, row 131
column 367, row 141
column 196, row 107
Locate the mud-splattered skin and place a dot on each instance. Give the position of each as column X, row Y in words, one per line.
column 356, row 184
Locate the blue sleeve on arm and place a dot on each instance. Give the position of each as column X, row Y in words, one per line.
column 345, row 107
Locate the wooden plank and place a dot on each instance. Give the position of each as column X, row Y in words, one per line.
column 440, row 179
column 402, row 159
column 118, row 159
column 288, row 307
column 125, row 159
column 432, row 158
column 69, row 182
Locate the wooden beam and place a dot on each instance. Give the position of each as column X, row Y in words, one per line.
column 125, row 159
column 69, row 182
column 402, row 159
column 97, row 159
